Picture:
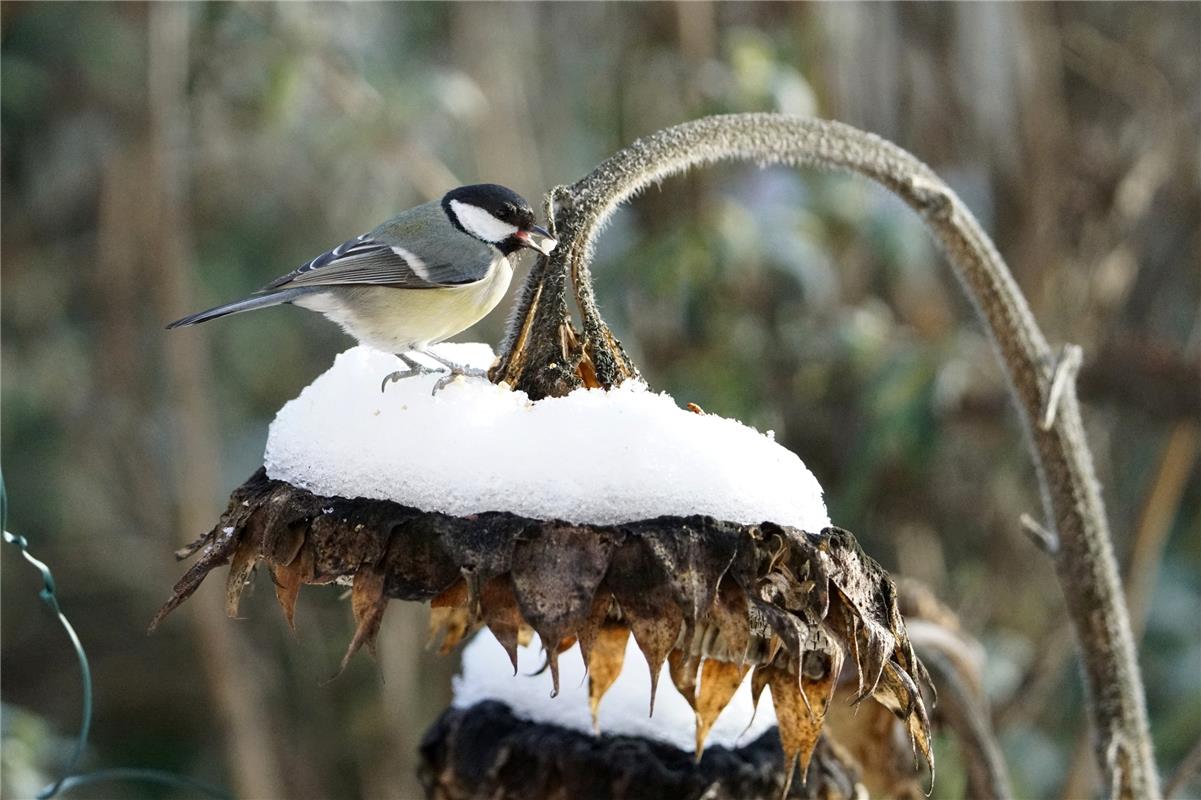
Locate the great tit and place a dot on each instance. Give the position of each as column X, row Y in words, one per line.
column 421, row 277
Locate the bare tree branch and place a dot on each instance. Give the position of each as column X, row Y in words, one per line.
column 541, row 334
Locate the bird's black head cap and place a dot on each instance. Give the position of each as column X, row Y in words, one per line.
column 500, row 202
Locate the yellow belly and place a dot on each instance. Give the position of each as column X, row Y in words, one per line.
column 398, row 320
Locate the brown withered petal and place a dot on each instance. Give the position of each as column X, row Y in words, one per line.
column 597, row 618
column 729, row 617
column 640, row 585
column 759, row 680
column 288, row 579
column 789, row 603
column 368, row 602
column 694, row 558
column 501, row 615
column 281, row 544
column 452, row 624
column 719, row 681
column 801, row 711
column 244, row 560
column 656, row 637
column 455, row 595
column 555, row 571
column 818, row 693
column 900, row 694
column 796, row 728
column 217, row 550
column 605, row 660
column 683, row 668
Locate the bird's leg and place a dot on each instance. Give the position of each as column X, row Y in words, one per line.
column 414, row 368
column 455, row 370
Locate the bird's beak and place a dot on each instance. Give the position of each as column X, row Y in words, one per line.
column 537, row 238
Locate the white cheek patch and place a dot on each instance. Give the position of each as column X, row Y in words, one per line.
column 480, row 223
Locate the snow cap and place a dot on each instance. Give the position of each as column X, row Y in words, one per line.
column 592, row 457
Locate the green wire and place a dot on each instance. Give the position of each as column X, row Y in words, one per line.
column 49, row 598
column 69, row 780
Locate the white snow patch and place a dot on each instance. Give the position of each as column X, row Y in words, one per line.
column 487, row 674
column 590, row 457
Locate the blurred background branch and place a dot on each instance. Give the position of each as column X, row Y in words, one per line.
column 166, row 243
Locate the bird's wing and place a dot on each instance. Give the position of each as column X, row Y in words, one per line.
column 367, row 260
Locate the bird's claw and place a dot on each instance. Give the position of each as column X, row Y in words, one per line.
column 441, row 383
column 467, row 372
column 401, row 374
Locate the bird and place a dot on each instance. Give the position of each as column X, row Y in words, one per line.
column 415, row 280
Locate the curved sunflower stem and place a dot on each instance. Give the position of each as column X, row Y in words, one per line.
column 544, row 355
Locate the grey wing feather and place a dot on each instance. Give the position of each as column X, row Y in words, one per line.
column 400, row 252
column 365, row 260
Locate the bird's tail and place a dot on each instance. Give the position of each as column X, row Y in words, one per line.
column 249, row 304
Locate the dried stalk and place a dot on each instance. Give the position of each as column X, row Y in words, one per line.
column 544, row 356
column 964, row 711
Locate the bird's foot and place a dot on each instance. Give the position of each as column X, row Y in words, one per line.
column 411, row 372
column 455, row 371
